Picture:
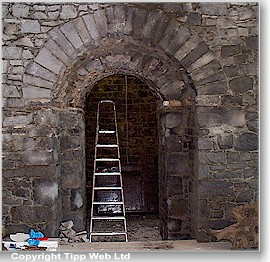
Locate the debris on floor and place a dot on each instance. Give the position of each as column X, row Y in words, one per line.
column 143, row 227
column 32, row 241
column 69, row 235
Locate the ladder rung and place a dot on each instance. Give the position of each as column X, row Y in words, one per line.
column 108, row 233
column 108, row 218
column 107, row 188
column 108, row 174
column 106, row 131
column 108, row 203
column 107, row 159
column 106, row 146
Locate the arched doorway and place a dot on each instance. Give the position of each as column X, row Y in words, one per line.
column 136, row 106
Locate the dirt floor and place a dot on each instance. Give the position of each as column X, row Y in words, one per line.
column 143, row 235
column 144, row 246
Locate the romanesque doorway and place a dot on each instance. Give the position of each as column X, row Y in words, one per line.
column 136, row 107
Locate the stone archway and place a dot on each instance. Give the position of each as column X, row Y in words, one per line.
column 154, row 47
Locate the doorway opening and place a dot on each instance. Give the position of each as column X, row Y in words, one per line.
column 136, row 108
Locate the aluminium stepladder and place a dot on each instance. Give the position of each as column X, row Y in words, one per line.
column 109, row 205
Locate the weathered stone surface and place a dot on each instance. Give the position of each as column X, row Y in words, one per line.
column 36, row 157
column 230, row 50
column 216, row 9
column 215, row 88
column 30, row 92
column 82, row 30
column 174, row 184
column 11, row 52
column 101, row 22
column 71, row 34
column 241, row 84
column 49, row 61
column 62, row 42
column 35, row 214
column 70, row 142
column 195, row 54
column 173, row 120
column 36, row 81
column 215, row 188
column 18, row 120
column 205, row 143
column 245, row 196
column 30, row 26
column 57, row 51
column 252, row 42
column 246, row 142
column 225, row 141
column 20, row 10
column 69, row 173
column 194, row 19
column 10, row 91
column 91, row 27
column 15, row 102
column 38, row 70
column 68, row 11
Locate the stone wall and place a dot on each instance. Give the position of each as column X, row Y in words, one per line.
column 54, row 53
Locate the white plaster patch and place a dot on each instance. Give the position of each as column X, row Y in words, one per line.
column 50, row 192
column 78, row 200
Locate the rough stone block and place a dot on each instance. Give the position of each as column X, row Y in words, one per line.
column 246, row 142
column 20, row 10
column 177, row 206
column 37, row 157
column 82, row 30
column 71, row 34
column 241, row 84
column 57, row 51
column 230, row 50
column 187, row 47
column 69, row 174
column 101, row 22
column 173, row 120
column 245, row 196
column 252, row 42
column 49, row 61
column 67, row 142
column 174, row 185
column 194, row 19
column 179, row 164
column 216, row 9
column 225, row 141
column 30, row 26
column 33, row 214
column 231, row 101
column 10, row 91
column 45, row 118
column 174, row 144
column 204, row 60
column 18, row 120
column 68, row 11
column 32, row 92
column 37, row 81
column 91, row 27
column 195, row 54
column 205, row 143
column 37, row 70
column 62, row 42
column 25, row 41
column 10, row 52
column 215, row 188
